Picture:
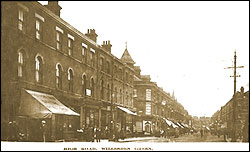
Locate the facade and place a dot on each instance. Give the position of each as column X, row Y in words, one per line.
column 48, row 61
column 154, row 106
column 232, row 119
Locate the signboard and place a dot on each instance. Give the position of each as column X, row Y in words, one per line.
column 88, row 92
column 148, row 108
column 108, row 108
column 148, row 94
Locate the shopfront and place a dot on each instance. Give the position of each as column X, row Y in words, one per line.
column 37, row 109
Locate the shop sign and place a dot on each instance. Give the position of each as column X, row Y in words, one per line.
column 88, row 92
column 108, row 108
column 148, row 94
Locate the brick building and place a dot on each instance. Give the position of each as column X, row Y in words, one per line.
column 53, row 72
column 154, row 106
column 232, row 118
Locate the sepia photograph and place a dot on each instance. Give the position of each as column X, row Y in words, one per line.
column 125, row 75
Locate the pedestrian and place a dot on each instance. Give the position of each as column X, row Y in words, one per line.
column 43, row 129
column 201, row 132
column 98, row 135
column 13, row 131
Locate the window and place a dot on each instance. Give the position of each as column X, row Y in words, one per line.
column 115, row 95
column 70, row 79
column 84, row 84
column 20, row 64
column 92, row 86
column 59, row 76
column 38, row 29
column 70, row 46
column 126, row 98
column 130, row 99
column 20, row 20
column 102, row 90
column 83, row 53
column 120, row 96
column 135, row 93
column 108, row 93
column 108, row 67
column 115, row 71
column 58, row 40
column 126, row 76
column 92, row 59
column 39, row 69
column 120, row 72
column 102, row 64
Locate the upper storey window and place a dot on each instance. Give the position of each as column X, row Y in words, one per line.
column 39, row 26
column 20, row 64
column 21, row 16
column 39, row 69
column 20, row 19
column 59, row 33
column 70, row 44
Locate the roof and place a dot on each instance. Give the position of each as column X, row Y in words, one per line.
column 126, row 58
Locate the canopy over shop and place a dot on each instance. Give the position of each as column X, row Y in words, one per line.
column 37, row 106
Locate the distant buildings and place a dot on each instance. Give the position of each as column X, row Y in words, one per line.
column 232, row 118
column 50, row 71
column 153, row 104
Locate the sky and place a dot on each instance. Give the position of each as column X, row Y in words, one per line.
column 183, row 46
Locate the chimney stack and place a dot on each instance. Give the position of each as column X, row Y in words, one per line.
column 242, row 90
column 107, row 46
column 91, row 34
column 54, row 7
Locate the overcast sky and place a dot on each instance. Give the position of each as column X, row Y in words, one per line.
column 184, row 46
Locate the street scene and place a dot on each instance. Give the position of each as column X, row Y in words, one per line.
column 115, row 72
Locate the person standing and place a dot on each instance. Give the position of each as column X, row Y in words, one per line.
column 44, row 130
column 98, row 135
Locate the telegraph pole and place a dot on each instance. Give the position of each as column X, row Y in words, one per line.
column 234, row 97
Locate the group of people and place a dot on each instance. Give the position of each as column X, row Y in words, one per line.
column 92, row 134
column 15, row 132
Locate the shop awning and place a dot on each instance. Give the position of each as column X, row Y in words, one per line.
column 40, row 105
column 185, row 125
column 170, row 123
column 180, row 125
column 127, row 110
